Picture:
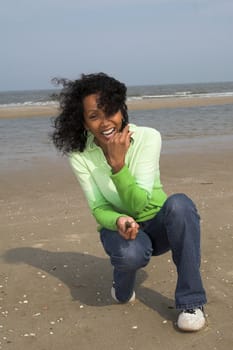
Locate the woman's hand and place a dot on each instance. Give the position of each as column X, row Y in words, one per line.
column 127, row 227
column 117, row 147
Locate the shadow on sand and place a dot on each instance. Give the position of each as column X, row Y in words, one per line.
column 88, row 277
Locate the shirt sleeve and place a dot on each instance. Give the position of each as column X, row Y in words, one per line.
column 104, row 213
column 136, row 190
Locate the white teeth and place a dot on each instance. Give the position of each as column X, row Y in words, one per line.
column 108, row 132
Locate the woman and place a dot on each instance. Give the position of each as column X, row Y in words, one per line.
column 117, row 165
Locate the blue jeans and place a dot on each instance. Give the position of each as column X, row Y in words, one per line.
column 177, row 228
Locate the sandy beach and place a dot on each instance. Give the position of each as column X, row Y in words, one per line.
column 55, row 277
column 35, row 111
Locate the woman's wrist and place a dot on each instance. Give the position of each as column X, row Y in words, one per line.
column 117, row 168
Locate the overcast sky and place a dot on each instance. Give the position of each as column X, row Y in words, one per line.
column 137, row 41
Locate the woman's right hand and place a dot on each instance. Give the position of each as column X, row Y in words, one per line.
column 127, row 227
column 117, row 148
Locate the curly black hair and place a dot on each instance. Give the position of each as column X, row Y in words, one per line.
column 70, row 134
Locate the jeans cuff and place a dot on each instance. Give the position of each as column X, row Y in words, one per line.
column 190, row 306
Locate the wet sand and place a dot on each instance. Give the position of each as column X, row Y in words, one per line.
column 56, row 278
column 30, row 111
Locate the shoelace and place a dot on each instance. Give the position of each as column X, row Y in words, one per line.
column 192, row 311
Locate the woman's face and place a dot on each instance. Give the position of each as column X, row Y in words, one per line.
column 101, row 126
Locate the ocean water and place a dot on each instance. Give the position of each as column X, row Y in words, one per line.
column 26, row 139
column 45, row 97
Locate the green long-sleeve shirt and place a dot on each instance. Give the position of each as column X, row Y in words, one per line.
column 135, row 190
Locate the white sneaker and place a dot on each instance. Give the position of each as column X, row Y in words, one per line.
column 191, row 320
column 113, row 294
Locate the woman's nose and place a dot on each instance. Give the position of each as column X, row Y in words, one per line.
column 104, row 121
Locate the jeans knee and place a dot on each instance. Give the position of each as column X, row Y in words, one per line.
column 131, row 259
column 180, row 204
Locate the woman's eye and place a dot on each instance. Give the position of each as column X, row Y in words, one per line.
column 93, row 116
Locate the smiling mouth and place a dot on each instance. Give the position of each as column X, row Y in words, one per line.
column 108, row 132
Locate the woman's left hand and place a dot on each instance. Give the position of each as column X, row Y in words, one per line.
column 127, row 227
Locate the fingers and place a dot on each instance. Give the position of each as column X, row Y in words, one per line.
column 131, row 229
column 126, row 133
column 128, row 235
column 127, row 227
column 123, row 136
